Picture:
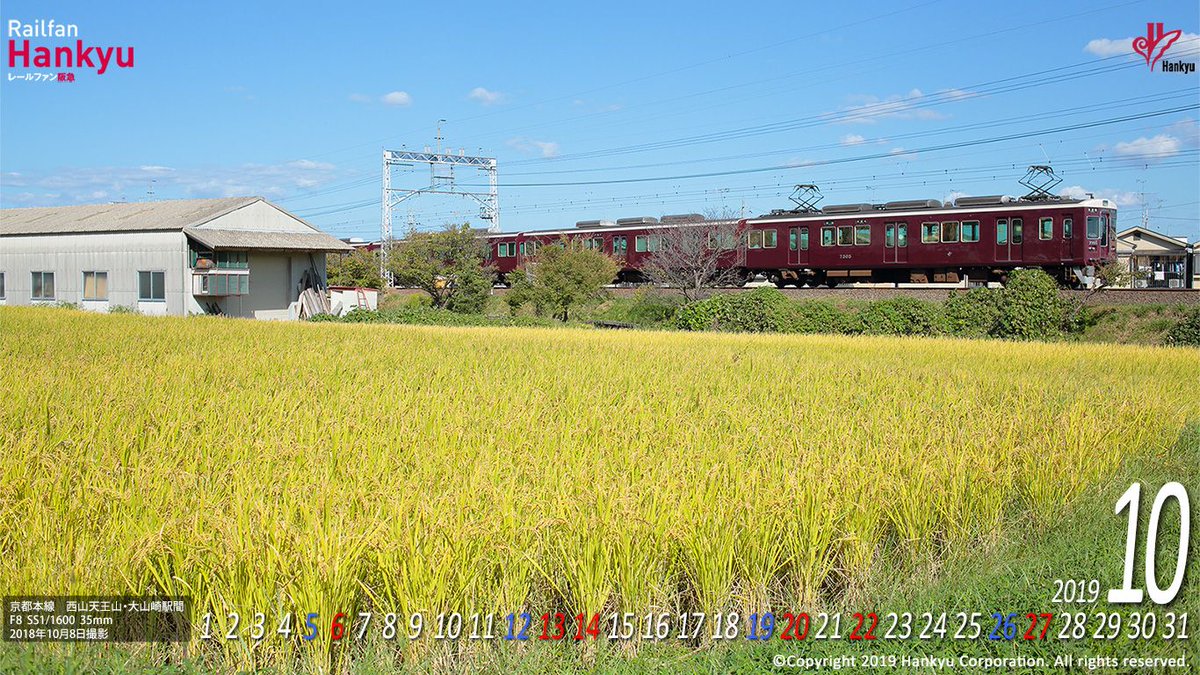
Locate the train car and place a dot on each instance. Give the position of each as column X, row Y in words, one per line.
column 922, row 241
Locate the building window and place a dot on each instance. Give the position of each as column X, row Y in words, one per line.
column 845, row 235
column 43, row 286
column 970, row 230
column 1, row 285
column 1001, row 231
column 950, row 232
column 1046, row 228
column 233, row 260
column 827, row 236
column 804, row 239
column 95, row 285
column 223, row 284
column 1067, row 227
column 930, row 233
column 151, row 286
column 862, row 235
column 1017, row 231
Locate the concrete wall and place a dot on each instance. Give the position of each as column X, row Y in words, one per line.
column 121, row 254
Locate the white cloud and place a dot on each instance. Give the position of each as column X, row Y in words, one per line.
column 397, row 98
column 485, row 97
column 530, row 146
column 869, row 109
column 78, row 185
column 1185, row 45
column 1157, row 147
column 853, row 139
column 1120, row 197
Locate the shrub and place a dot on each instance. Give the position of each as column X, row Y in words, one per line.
column 1030, row 307
column 819, row 316
column 651, row 308
column 762, row 310
column 972, row 314
column 900, row 316
column 1186, row 331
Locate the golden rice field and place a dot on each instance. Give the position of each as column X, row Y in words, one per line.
column 327, row 467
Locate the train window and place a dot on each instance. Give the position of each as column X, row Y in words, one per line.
column 827, row 236
column 929, row 233
column 1093, row 227
column 619, row 246
column 1104, row 230
column 792, row 239
column 1017, row 231
column 804, row 239
column 1001, row 231
column 529, row 248
column 770, row 238
column 754, row 239
column 950, row 232
column 1046, row 228
column 889, row 235
column 639, row 243
column 970, row 230
column 862, row 235
column 1067, row 226
column 845, row 235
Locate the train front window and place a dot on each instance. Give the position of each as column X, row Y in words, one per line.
column 1104, row 230
column 1093, row 227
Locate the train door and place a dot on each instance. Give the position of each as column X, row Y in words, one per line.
column 798, row 240
column 1010, row 239
column 1068, row 236
column 895, row 243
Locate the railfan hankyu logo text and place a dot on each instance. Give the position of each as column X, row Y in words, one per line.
column 1155, row 43
column 24, row 51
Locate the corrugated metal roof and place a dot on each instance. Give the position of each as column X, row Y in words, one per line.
column 274, row 241
column 130, row 217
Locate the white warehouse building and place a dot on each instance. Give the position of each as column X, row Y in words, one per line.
column 238, row 256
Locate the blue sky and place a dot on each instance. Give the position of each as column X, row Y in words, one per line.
column 609, row 109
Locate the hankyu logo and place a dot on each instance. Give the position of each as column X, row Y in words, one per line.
column 1149, row 46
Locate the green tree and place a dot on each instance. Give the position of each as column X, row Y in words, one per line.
column 359, row 268
column 448, row 265
column 564, row 276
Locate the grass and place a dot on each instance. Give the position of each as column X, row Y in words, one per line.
column 327, row 467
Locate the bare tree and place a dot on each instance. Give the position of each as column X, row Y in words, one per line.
column 692, row 257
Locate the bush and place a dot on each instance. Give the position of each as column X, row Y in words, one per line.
column 1186, row 332
column 972, row 314
column 429, row 316
column 762, row 310
column 900, row 316
column 652, row 308
column 1030, row 307
column 819, row 316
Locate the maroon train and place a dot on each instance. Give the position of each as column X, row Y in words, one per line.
column 981, row 238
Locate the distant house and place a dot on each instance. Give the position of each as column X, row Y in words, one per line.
column 240, row 256
column 1155, row 259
